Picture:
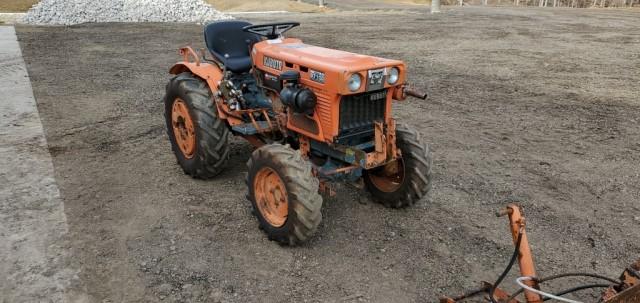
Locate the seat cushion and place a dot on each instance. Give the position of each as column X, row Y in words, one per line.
column 229, row 44
column 238, row 65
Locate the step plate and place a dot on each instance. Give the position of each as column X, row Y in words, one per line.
column 249, row 129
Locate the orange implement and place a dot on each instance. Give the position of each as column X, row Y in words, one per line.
column 525, row 259
column 628, row 291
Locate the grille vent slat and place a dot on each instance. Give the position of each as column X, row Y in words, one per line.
column 324, row 110
column 358, row 112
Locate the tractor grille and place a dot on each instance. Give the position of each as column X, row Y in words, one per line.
column 358, row 112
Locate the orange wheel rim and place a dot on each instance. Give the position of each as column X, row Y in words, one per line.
column 183, row 130
column 389, row 178
column 271, row 196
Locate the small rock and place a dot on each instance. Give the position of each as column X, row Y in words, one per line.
column 164, row 289
column 215, row 296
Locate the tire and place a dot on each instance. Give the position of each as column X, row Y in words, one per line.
column 303, row 202
column 416, row 164
column 210, row 148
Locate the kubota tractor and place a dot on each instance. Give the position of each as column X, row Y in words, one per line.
column 316, row 116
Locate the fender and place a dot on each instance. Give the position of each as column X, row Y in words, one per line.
column 208, row 72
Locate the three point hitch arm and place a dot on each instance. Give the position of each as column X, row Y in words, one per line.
column 625, row 289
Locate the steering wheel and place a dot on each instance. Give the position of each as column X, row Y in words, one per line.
column 270, row 30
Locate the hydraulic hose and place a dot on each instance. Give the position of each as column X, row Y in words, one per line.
column 578, row 274
column 514, row 258
column 570, row 274
column 577, row 288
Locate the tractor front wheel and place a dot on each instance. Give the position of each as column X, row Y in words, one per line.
column 402, row 182
column 199, row 138
column 284, row 194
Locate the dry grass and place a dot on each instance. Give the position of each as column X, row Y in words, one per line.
column 409, row 1
column 15, row 6
column 264, row 5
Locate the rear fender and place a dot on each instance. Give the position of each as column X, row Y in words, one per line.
column 208, row 72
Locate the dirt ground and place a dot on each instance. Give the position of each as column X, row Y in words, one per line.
column 538, row 104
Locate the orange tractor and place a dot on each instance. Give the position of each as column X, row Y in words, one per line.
column 315, row 116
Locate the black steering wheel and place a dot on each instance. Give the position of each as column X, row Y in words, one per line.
column 270, row 30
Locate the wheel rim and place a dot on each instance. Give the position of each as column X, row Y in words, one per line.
column 183, row 130
column 271, row 196
column 389, row 178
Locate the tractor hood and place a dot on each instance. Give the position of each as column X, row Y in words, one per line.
column 276, row 56
column 295, row 51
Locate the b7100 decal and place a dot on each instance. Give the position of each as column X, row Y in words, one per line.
column 316, row 76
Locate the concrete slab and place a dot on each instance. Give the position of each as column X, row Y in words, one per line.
column 33, row 224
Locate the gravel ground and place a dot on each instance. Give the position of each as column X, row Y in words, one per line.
column 536, row 103
column 68, row 12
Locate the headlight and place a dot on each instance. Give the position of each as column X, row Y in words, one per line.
column 394, row 74
column 354, row 82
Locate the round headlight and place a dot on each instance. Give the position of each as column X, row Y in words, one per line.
column 394, row 74
column 354, row 82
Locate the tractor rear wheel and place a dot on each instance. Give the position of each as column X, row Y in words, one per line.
column 402, row 182
column 199, row 139
column 284, row 194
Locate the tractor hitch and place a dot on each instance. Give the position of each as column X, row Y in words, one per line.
column 625, row 289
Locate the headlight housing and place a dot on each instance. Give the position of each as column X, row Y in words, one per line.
column 394, row 75
column 354, row 83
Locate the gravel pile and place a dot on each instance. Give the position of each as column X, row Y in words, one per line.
column 68, row 12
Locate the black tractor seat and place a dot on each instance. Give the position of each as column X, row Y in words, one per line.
column 229, row 44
